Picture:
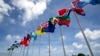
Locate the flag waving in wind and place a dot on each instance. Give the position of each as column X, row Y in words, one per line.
column 33, row 35
column 63, row 20
column 39, row 30
column 49, row 28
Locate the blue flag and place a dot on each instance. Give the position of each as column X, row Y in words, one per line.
column 34, row 35
column 49, row 28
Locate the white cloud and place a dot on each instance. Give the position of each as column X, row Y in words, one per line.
column 8, row 37
column 95, row 34
column 1, row 18
column 12, row 37
column 30, row 8
column 96, row 45
column 78, row 46
column 4, row 7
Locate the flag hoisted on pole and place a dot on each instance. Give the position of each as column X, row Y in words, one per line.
column 62, row 41
column 88, row 45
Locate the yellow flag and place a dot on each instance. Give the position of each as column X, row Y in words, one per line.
column 39, row 31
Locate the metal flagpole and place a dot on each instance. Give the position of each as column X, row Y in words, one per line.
column 49, row 43
column 8, row 53
column 20, row 50
column 62, row 41
column 83, row 34
column 11, row 53
column 27, row 49
column 23, row 50
column 39, row 44
column 33, row 49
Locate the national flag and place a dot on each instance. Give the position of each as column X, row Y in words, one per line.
column 50, row 28
column 16, row 44
column 34, row 35
column 62, row 12
column 25, row 41
column 39, row 30
column 64, row 20
column 79, row 11
column 79, row 3
column 52, row 19
column 94, row 2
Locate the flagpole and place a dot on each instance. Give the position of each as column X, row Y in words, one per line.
column 11, row 53
column 21, row 51
column 33, row 49
column 28, row 48
column 27, row 51
column 49, row 43
column 84, row 35
column 88, row 45
column 8, row 53
column 39, row 44
column 62, row 41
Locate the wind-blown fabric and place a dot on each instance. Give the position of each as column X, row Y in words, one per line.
column 79, row 11
column 39, row 30
column 63, row 20
column 83, row 3
column 26, row 40
column 79, row 3
column 33, row 35
column 52, row 19
column 14, row 45
column 94, row 2
column 62, row 12
column 49, row 28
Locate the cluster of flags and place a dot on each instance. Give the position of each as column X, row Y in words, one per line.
column 63, row 18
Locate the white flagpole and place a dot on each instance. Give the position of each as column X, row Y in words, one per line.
column 88, row 45
column 39, row 45
column 62, row 41
column 49, row 43
column 33, row 49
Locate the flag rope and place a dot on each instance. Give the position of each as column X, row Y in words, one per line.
column 49, row 43
column 62, row 41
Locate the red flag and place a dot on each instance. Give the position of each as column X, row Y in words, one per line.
column 62, row 12
column 79, row 11
column 25, row 41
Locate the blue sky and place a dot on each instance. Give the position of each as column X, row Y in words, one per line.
column 19, row 17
